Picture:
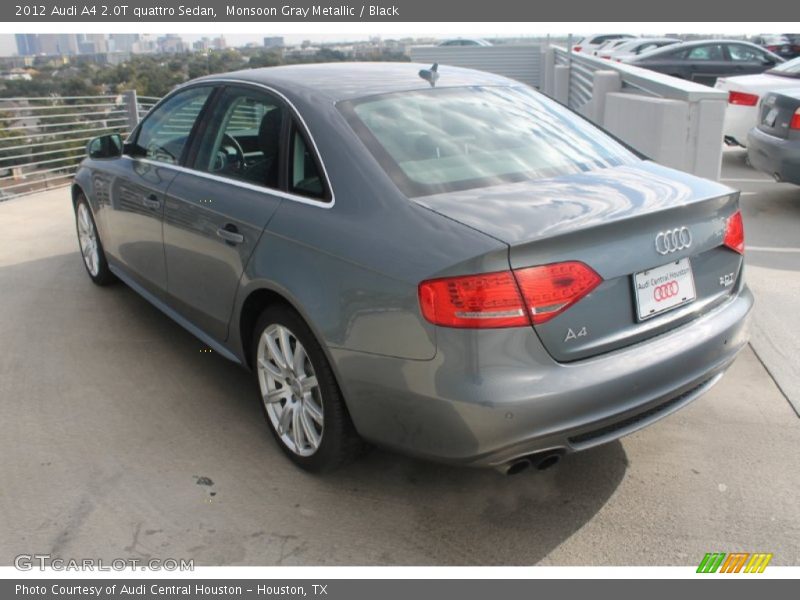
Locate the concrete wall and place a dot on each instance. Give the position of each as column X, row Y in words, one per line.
column 674, row 122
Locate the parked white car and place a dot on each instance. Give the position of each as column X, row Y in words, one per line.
column 606, row 49
column 746, row 91
column 592, row 42
column 632, row 48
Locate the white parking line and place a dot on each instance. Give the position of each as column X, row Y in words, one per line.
column 767, row 249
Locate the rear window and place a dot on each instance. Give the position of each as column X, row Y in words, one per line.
column 790, row 68
column 449, row 139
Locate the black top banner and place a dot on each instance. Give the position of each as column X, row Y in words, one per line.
column 398, row 11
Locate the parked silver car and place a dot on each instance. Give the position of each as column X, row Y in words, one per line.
column 773, row 145
column 457, row 268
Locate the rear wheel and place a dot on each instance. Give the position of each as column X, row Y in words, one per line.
column 300, row 398
column 94, row 258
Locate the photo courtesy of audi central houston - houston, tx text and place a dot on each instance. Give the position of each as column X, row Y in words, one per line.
column 318, row 293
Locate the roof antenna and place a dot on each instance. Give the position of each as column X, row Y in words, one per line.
column 430, row 75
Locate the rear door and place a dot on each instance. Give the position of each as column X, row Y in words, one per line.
column 746, row 60
column 250, row 156
column 707, row 62
column 216, row 210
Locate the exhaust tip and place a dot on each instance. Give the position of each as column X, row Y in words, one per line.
column 518, row 466
column 548, row 461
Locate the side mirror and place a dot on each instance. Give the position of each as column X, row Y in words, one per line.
column 133, row 150
column 105, row 146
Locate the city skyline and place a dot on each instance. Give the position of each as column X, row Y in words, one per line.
column 8, row 43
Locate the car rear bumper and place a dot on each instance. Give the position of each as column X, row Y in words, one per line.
column 738, row 121
column 492, row 396
column 776, row 156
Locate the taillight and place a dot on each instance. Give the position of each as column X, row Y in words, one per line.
column 742, row 99
column 494, row 299
column 477, row 301
column 577, row 48
column 734, row 232
column 795, row 122
column 551, row 289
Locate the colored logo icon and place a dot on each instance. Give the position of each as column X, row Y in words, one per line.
column 735, row 562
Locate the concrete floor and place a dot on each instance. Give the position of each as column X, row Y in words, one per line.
column 120, row 438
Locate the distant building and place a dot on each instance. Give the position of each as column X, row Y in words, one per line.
column 51, row 44
column 202, row 45
column 123, row 42
column 27, row 44
column 275, row 41
column 16, row 74
column 171, row 44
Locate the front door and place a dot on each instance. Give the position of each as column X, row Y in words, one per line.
column 139, row 182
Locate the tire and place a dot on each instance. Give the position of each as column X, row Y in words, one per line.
column 92, row 254
column 314, row 444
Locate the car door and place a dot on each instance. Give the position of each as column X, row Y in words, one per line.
column 139, row 182
column 216, row 211
column 746, row 60
column 706, row 62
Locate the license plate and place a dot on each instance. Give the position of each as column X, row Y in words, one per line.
column 772, row 115
column 663, row 288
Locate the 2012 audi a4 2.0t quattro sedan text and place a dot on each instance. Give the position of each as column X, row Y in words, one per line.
column 446, row 263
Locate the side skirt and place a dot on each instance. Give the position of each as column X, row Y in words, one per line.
column 188, row 326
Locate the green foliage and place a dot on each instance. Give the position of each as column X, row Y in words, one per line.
column 156, row 74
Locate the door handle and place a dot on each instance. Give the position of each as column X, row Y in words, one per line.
column 230, row 234
column 152, row 201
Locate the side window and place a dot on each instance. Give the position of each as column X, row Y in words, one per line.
column 243, row 138
column 305, row 177
column 741, row 53
column 165, row 131
column 709, row 52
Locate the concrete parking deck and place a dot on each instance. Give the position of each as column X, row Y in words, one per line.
column 120, row 438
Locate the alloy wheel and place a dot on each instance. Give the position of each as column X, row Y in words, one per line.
column 87, row 236
column 290, row 390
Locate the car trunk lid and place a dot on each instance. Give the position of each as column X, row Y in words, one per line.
column 609, row 219
column 776, row 113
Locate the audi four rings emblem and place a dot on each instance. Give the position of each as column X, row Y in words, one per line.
column 673, row 240
column 666, row 290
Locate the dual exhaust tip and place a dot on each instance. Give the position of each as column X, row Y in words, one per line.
column 539, row 462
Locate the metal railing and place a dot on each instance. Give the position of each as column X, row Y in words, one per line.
column 42, row 140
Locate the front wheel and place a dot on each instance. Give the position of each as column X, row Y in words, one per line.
column 94, row 257
column 301, row 401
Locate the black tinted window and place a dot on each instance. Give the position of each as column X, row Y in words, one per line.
column 243, row 138
column 709, row 52
column 741, row 53
column 305, row 176
column 165, row 130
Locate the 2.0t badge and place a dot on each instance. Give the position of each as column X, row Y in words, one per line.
column 673, row 240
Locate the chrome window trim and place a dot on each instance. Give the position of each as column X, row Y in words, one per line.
column 326, row 204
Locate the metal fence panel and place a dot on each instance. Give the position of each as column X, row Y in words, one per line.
column 42, row 140
column 520, row 62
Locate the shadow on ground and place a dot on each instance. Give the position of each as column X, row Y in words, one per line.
column 130, row 399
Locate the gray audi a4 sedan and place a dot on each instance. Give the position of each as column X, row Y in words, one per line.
column 446, row 263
